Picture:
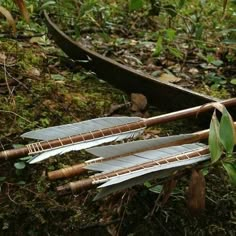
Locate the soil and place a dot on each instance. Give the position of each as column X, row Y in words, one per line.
column 40, row 87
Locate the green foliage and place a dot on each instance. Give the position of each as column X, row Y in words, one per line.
column 29, row 202
column 166, row 44
column 231, row 171
column 222, row 138
column 215, row 81
column 181, row 4
column 47, row 4
column 227, row 132
column 215, row 145
column 20, row 165
column 135, row 5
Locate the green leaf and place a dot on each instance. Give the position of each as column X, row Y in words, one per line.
column 2, row 178
column 57, row 77
column 199, row 31
column 215, row 145
column 159, row 47
column 47, row 4
column 25, row 158
column 175, row 52
column 233, row 81
column 17, row 145
column 170, row 34
column 217, row 63
column 181, row 3
column 205, row 171
column 202, row 3
column 229, row 41
column 19, row 165
column 227, row 131
column 231, row 171
column 147, row 184
column 135, row 5
column 156, row 189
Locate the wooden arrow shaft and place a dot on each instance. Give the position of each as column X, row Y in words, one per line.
column 101, row 178
column 81, row 168
column 39, row 147
column 193, row 111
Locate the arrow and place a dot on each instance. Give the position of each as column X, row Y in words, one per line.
column 58, row 140
column 154, row 164
column 112, row 152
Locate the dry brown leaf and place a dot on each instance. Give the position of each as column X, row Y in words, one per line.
column 34, row 72
column 23, row 9
column 193, row 71
column 2, row 58
column 9, row 18
column 167, row 190
column 216, row 105
column 138, row 101
column 169, row 78
column 196, row 193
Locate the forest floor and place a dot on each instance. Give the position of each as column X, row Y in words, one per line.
column 41, row 87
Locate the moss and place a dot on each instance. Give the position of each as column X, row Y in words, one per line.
column 221, row 93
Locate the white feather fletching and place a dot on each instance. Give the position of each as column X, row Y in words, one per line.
column 120, row 182
column 135, row 146
column 116, row 180
column 143, row 157
column 86, row 144
column 135, row 181
column 67, row 130
column 128, row 180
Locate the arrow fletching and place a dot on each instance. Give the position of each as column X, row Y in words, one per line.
column 98, row 125
column 139, row 157
column 120, row 173
column 158, row 164
column 78, row 128
column 106, row 153
column 114, row 128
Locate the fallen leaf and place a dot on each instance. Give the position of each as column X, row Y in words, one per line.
column 169, row 78
column 196, row 193
column 2, row 58
column 115, row 107
column 138, row 101
column 193, row 71
column 33, row 72
column 167, row 190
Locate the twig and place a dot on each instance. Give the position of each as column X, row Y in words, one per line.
column 15, row 114
column 5, row 76
column 18, row 81
column 99, row 224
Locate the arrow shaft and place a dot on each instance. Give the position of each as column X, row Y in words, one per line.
column 80, row 168
column 101, row 178
column 39, row 147
column 193, row 111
